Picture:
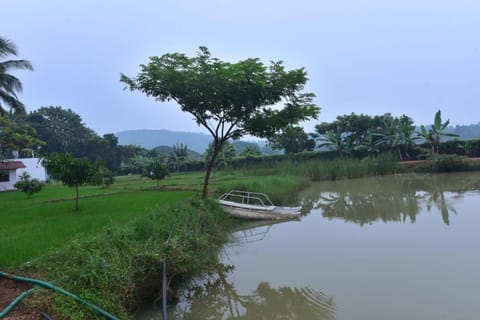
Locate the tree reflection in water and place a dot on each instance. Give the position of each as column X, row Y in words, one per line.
column 391, row 198
column 214, row 297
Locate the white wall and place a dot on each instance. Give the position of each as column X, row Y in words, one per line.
column 34, row 168
column 8, row 185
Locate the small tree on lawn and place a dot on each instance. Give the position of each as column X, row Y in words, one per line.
column 108, row 178
column 28, row 185
column 74, row 172
column 228, row 99
column 155, row 170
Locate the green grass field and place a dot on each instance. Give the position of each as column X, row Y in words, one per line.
column 30, row 227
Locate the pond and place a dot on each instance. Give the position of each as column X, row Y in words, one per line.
column 393, row 247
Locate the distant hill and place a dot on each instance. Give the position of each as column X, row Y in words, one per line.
column 465, row 132
column 150, row 139
column 164, row 140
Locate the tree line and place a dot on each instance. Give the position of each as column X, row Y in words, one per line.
column 229, row 100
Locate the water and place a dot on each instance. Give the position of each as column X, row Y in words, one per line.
column 396, row 247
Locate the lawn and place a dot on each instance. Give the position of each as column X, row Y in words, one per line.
column 33, row 226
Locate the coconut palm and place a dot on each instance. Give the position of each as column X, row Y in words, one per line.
column 10, row 85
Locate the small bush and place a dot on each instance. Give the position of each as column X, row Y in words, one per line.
column 28, row 185
column 108, row 178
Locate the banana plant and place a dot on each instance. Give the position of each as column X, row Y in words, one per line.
column 434, row 134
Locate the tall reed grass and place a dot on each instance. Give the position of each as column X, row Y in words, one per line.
column 316, row 169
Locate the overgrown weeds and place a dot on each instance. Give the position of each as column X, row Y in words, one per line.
column 122, row 267
column 448, row 163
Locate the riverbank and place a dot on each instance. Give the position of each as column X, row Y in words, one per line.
column 118, row 267
column 121, row 268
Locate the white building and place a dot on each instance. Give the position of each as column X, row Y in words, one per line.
column 10, row 170
column 8, row 174
column 34, row 167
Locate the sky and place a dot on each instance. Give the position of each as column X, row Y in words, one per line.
column 410, row 57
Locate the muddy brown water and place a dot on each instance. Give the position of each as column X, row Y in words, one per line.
column 394, row 247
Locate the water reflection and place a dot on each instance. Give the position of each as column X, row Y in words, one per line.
column 391, row 198
column 214, row 297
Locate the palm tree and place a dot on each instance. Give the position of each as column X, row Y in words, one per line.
column 9, row 84
column 335, row 140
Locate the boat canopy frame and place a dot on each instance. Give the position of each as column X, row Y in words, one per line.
column 247, row 198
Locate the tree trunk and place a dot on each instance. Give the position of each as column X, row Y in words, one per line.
column 216, row 151
column 76, row 197
column 399, row 153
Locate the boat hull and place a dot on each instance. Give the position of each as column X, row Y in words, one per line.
column 254, row 214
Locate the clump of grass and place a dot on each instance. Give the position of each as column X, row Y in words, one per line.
column 318, row 170
column 447, row 163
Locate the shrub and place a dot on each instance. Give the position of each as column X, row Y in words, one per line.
column 108, row 178
column 28, row 185
column 447, row 163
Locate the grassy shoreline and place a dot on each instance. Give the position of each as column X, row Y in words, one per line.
column 110, row 252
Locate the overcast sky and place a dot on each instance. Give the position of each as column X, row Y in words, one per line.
column 410, row 57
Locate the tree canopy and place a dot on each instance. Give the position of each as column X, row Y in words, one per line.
column 155, row 170
column 17, row 135
column 293, row 140
column 73, row 172
column 62, row 130
column 228, row 99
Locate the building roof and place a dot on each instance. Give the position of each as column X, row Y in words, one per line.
column 11, row 165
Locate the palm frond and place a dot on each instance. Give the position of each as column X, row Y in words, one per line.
column 15, row 64
column 7, row 47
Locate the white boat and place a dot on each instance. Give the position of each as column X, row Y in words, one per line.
column 255, row 206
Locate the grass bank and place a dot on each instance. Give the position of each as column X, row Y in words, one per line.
column 121, row 267
column 110, row 251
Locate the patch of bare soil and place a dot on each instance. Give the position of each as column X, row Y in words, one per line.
column 9, row 290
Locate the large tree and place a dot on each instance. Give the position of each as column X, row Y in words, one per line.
column 10, row 85
column 62, row 130
column 347, row 133
column 293, row 140
column 228, row 99
column 17, row 136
